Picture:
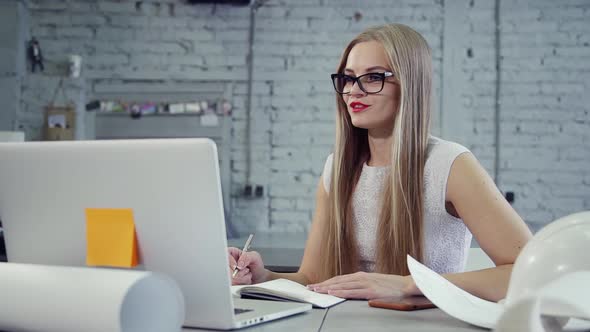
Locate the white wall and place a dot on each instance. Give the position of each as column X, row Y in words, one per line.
column 545, row 73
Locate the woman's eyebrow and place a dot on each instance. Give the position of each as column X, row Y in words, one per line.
column 377, row 68
column 373, row 68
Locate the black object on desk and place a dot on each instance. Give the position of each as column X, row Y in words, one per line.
column 2, row 248
column 283, row 269
column 282, row 260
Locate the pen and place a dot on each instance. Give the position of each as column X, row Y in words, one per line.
column 246, row 247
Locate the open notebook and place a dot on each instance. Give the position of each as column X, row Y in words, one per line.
column 286, row 290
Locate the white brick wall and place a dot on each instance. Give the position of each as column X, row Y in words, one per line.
column 545, row 112
column 545, row 124
column 301, row 42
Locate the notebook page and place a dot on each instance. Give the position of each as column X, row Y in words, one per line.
column 294, row 290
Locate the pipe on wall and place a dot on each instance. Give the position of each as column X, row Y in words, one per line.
column 497, row 45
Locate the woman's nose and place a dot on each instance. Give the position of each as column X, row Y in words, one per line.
column 355, row 89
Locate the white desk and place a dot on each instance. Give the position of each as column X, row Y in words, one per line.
column 283, row 252
column 358, row 316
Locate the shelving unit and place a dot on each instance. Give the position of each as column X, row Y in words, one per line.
column 121, row 125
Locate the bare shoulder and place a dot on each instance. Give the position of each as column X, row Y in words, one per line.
column 467, row 175
column 498, row 228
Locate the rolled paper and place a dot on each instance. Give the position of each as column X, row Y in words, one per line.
column 72, row 299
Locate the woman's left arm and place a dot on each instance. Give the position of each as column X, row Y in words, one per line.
column 498, row 229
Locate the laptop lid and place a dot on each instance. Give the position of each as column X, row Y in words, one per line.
column 172, row 186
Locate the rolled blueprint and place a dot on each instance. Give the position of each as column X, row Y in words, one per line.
column 74, row 299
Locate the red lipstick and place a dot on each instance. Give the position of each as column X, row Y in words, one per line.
column 357, row 106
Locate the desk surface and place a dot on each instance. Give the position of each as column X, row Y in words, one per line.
column 285, row 253
column 357, row 316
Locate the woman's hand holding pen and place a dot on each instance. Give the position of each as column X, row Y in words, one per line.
column 250, row 266
column 367, row 286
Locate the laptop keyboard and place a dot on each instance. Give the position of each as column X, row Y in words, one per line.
column 238, row 311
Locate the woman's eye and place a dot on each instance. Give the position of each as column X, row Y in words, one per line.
column 373, row 78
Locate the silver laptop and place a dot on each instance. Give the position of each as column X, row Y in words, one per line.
column 173, row 187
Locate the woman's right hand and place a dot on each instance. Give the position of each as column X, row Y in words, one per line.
column 250, row 266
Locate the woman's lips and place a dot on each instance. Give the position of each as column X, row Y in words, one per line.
column 358, row 106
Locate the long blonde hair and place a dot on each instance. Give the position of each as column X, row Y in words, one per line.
column 400, row 223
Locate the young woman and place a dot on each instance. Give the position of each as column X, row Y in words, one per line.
column 390, row 189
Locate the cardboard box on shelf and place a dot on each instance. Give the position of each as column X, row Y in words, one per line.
column 59, row 123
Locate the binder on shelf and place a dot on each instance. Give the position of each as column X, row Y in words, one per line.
column 59, row 123
column 59, row 120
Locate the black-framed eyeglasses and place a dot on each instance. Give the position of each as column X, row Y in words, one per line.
column 369, row 82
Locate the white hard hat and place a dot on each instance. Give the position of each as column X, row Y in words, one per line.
column 559, row 248
column 550, row 279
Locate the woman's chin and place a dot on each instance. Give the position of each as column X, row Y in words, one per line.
column 358, row 123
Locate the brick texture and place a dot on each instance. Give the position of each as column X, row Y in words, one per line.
column 544, row 113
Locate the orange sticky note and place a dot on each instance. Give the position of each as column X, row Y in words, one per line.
column 110, row 238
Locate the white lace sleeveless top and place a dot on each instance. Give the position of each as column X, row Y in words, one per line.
column 446, row 238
